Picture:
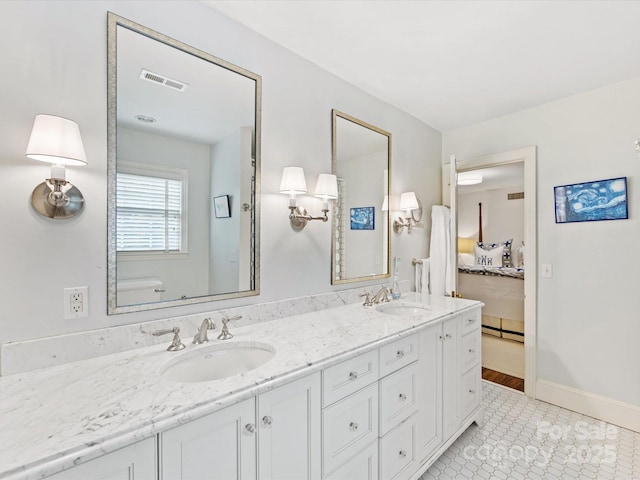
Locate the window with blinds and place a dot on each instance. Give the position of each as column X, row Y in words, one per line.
column 149, row 213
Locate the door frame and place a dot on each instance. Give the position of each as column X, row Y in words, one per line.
column 528, row 155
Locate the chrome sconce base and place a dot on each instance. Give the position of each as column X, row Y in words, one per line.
column 299, row 217
column 58, row 199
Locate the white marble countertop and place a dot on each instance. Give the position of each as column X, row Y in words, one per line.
column 56, row 417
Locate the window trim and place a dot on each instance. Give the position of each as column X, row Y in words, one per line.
column 165, row 172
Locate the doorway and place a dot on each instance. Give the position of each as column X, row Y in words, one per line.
column 527, row 157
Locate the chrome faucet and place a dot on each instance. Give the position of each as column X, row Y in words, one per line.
column 382, row 296
column 176, row 343
column 224, row 333
column 201, row 336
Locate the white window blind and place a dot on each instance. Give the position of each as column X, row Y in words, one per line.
column 149, row 213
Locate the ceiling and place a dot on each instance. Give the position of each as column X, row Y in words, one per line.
column 510, row 175
column 456, row 63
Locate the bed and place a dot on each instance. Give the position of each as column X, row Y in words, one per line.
column 501, row 289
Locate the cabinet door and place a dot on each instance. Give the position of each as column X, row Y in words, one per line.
column 451, row 376
column 219, row 446
column 429, row 426
column 289, row 431
column 136, row 462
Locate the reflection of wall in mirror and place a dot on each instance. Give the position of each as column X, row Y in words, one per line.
column 229, row 238
column 186, row 274
column 366, row 188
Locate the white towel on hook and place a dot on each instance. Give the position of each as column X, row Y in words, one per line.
column 440, row 276
column 422, row 275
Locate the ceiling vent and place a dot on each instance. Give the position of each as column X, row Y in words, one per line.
column 162, row 80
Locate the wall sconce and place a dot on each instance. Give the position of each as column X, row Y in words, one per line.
column 56, row 140
column 293, row 183
column 413, row 213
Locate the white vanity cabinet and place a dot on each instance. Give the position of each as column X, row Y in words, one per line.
column 216, row 447
column 135, row 462
column 282, row 442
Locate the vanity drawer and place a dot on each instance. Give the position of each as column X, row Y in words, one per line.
column 398, row 354
column 349, row 376
column 471, row 321
column 398, row 452
column 471, row 350
column 348, row 426
column 363, row 466
column 398, row 399
column 471, row 390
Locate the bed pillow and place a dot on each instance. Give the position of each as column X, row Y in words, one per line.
column 507, row 260
column 488, row 257
column 466, row 259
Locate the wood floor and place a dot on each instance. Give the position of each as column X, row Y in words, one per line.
column 503, row 379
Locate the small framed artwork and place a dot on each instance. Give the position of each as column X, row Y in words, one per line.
column 591, row 201
column 362, row 218
column 221, row 206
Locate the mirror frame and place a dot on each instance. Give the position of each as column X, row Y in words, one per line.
column 335, row 114
column 114, row 21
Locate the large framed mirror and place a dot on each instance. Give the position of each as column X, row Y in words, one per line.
column 183, row 173
column 361, row 234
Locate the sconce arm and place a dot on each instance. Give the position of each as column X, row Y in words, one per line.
column 299, row 217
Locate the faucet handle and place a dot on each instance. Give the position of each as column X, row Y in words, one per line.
column 176, row 343
column 224, row 333
column 367, row 299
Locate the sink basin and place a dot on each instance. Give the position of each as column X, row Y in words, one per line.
column 216, row 362
column 402, row 309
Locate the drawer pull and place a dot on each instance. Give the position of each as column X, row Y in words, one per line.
column 400, row 353
column 447, row 336
column 472, row 391
column 471, row 350
column 402, row 454
column 267, row 420
column 471, row 320
column 402, row 396
column 353, row 375
column 250, row 427
column 353, row 426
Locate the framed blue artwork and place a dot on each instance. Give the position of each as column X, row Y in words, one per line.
column 591, row 201
column 362, row 218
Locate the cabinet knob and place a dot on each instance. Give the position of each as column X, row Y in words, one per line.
column 471, row 350
column 402, row 453
column 353, row 426
column 472, row 391
column 471, row 320
column 400, row 353
column 402, row 396
column 447, row 336
column 353, row 375
column 267, row 420
column 250, row 427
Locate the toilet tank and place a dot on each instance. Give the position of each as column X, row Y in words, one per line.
column 139, row 290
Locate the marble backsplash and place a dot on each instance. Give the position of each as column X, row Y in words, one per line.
column 17, row 357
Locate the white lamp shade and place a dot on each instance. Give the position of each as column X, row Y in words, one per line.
column 408, row 201
column 293, row 182
column 327, row 186
column 469, row 178
column 56, row 140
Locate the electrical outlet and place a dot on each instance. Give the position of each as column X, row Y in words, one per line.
column 76, row 302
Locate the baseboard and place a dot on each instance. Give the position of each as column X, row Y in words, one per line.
column 619, row 413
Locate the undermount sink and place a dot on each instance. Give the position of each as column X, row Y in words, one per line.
column 402, row 309
column 215, row 362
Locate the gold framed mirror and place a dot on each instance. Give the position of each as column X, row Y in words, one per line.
column 361, row 241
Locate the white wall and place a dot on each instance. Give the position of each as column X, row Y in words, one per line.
column 588, row 326
column 54, row 58
column 502, row 219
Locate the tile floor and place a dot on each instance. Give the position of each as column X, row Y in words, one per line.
column 529, row 439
